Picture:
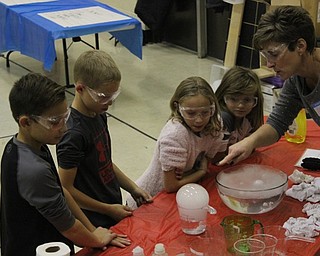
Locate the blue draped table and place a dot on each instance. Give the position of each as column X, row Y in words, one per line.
column 23, row 29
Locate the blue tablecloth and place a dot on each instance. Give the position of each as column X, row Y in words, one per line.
column 22, row 29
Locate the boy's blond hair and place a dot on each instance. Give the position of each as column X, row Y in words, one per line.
column 95, row 68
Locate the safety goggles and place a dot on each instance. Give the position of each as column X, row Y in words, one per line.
column 193, row 113
column 101, row 97
column 274, row 54
column 53, row 122
column 245, row 101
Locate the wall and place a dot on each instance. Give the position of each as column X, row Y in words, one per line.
column 313, row 7
column 247, row 55
column 181, row 24
column 217, row 30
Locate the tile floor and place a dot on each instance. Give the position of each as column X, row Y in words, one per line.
column 142, row 108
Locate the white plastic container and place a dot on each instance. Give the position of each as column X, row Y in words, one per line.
column 192, row 200
column 159, row 250
column 138, row 251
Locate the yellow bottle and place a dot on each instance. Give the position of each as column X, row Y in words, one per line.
column 298, row 129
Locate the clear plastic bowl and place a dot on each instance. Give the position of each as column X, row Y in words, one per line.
column 252, row 188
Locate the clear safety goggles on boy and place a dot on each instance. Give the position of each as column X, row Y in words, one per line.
column 101, row 97
column 192, row 113
column 53, row 122
column 245, row 101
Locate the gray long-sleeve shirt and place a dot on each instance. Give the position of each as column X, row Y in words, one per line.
column 294, row 96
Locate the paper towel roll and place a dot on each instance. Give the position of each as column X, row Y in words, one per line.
column 53, row 249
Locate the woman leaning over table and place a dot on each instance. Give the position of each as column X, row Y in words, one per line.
column 286, row 38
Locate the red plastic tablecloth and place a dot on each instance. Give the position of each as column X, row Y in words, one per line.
column 159, row 222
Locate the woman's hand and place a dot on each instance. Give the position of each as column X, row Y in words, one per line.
column 237, row 152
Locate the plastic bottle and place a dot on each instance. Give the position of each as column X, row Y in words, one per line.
column 159, row 250
column 138, row 251
column 298, row 129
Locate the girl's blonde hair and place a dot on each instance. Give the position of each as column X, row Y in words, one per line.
column 194, row 86
column 241, row 80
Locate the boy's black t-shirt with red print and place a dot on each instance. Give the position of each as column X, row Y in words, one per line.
column 87, row 146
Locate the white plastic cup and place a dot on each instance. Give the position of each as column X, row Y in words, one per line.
column 278, row 232
column 269, row 240
column 249, row 247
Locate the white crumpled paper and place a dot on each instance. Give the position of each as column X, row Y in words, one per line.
column 312, row 210
column 306, row 191
column 297, row 177
column 304, row 227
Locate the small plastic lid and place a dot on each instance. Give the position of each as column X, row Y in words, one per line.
column 137, row 251
column 159, row 249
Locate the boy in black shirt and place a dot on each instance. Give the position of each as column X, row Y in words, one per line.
column 86, row 168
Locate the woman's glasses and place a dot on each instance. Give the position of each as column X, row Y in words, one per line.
column 274, row 54
column 193, row 113
column 102, row 98
column 245, row 101
column 53, row 122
